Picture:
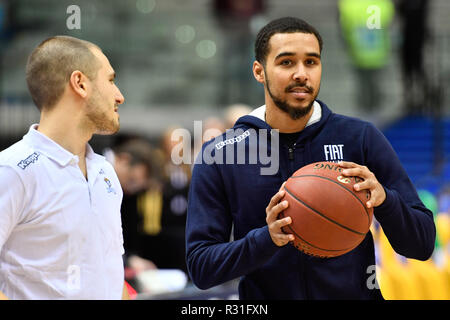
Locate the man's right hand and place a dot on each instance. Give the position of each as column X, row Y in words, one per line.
column 272, row 211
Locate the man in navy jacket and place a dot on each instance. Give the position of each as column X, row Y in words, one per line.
column 237, row 179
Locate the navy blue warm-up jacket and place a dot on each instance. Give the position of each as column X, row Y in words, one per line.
column 230, row 192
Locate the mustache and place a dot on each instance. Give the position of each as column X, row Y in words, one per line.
column 299, row 85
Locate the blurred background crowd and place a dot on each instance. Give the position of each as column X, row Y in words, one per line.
column 181, row 61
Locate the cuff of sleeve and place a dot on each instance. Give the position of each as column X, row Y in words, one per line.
column 263, row 241
column 388, row 207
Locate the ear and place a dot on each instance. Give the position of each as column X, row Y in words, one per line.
column 258, row 72
column 78, row 82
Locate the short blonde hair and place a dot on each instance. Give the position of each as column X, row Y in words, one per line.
column 52, row 62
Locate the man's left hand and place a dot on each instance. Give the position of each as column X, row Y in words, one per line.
column 370, row 182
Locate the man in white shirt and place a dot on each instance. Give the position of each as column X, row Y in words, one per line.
column 60, row 226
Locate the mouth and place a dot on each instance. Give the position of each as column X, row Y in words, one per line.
column 300, row 92
column 297, row 88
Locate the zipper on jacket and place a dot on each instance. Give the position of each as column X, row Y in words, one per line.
column 291, row 152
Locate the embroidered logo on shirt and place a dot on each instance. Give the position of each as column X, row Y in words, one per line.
column 109, row 188
column 222, row 144
column 334, row 152
column 29, row 160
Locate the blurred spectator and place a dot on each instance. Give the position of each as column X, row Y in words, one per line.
column 133, row 163
column 164, row 211
column 212, row 127
column 234, row 18
column 365, row 27
column 234, row 112
column 413, row 14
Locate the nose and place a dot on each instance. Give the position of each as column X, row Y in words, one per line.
column 119, row 97
column 300, row 74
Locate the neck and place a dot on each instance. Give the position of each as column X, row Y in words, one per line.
column 278, row 119
column 62, row 126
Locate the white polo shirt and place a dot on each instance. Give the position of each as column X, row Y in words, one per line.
column 60, row 235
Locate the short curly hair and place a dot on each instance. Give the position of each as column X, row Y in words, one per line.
column 281, row 25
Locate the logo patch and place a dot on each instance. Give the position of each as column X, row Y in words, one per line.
column 334, row 152
column 29, row 160
column 222, row 144
column 109, row 187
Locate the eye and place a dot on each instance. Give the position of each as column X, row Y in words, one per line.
column 286, row 62
column 312, row 62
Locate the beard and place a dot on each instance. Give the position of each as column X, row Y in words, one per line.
column 100, row 118
column 294, row 113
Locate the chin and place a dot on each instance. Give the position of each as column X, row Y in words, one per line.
column 297, row 112
column 115, row 130
column 302, row 103
column 108, row 131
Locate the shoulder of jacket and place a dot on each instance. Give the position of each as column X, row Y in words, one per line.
column 348, row 121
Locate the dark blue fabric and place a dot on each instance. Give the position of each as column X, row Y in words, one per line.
column 225, row 197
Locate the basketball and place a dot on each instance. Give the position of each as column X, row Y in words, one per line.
column 329, row 218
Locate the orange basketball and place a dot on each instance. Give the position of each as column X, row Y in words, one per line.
column 329, row 218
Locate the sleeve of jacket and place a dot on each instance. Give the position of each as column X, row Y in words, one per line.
column 407, row 223
column 211, row 257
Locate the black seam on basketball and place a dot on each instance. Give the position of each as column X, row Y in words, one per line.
column 290, row 228
column 323, row 216
column 351, row 192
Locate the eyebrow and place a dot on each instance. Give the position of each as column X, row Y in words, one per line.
column 290, row 54
column 314, row 54
column 284, row 54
